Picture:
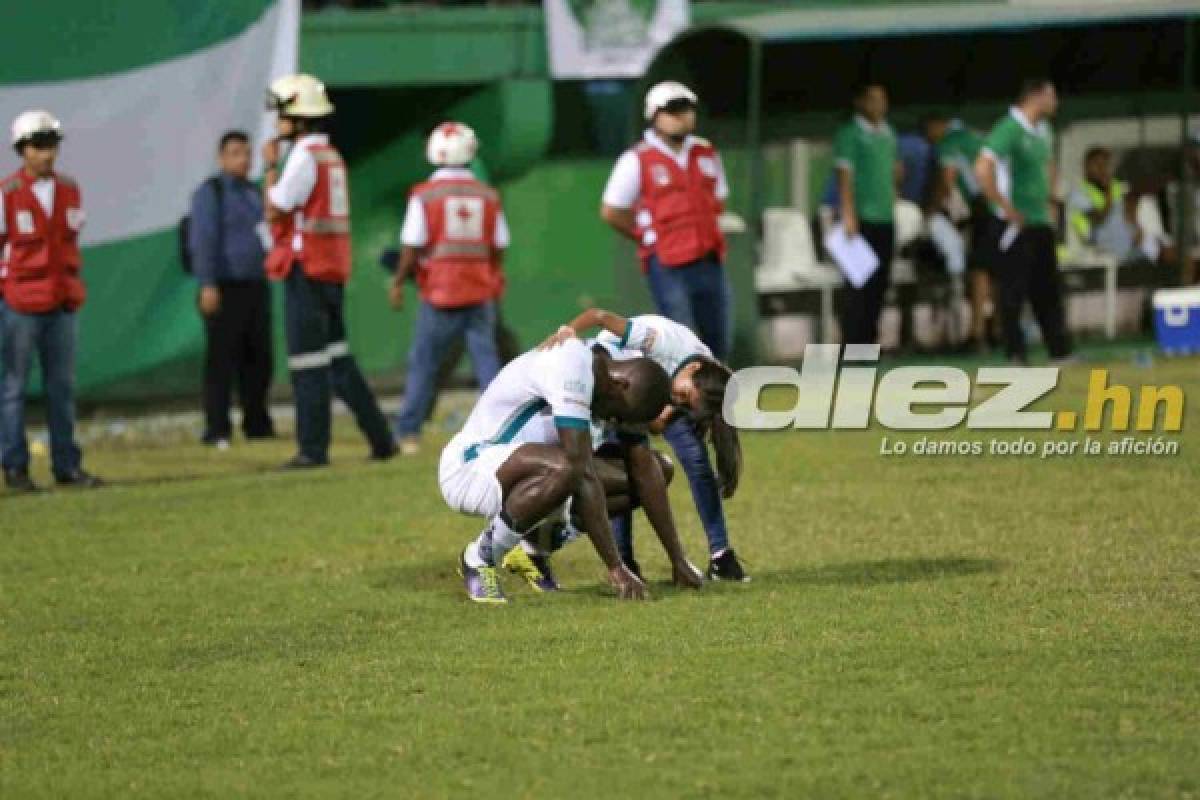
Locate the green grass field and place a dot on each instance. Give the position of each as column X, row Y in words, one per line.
column 916, row 627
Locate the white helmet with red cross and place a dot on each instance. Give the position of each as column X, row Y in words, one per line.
column 451, row 144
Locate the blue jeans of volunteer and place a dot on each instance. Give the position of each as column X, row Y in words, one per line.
column 51, row 337
column 321, row 366
column 435, row 330
column 698, row 296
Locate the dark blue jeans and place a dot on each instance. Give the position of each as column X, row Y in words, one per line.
column 696, row 295
column 52, row 337
column 435, row 330
column 692, row 455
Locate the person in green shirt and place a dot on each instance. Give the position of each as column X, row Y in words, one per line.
column 864, row 152
column 1016, row 173
column 957, row 152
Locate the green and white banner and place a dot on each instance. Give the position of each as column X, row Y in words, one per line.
column 144, row 89
column 609, row 38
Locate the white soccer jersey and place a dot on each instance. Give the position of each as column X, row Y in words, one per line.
column 664, row 341
column 532, row 396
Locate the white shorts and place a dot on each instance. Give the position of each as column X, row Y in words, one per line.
column 471, row 486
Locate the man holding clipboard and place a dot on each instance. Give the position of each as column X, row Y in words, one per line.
column 864, row 152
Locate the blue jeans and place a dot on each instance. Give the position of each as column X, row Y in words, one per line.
column 51, row 336
column 436, row 329
column 692, row 455
column 696, row 295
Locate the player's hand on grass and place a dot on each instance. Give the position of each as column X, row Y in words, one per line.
column 627, row 584
column 396, row 295
column 686, row 576
column 561, row 335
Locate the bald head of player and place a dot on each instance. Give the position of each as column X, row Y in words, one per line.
column 634, row 390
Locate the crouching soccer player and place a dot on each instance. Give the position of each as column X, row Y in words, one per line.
column 526, row 449
column 698, row 384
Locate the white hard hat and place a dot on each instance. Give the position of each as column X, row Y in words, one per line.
column 662, row 94
column 451, row 144
column 29, row 123
column 299, row 96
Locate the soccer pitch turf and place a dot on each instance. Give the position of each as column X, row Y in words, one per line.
column 916, row 627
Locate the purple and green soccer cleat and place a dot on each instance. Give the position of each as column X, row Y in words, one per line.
column 482, row 583
column 535, row 569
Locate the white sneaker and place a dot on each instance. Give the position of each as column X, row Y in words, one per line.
column 410, row 446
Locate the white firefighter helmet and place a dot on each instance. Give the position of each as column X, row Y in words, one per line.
column 663, row 94
column 30, row 123
column 299, row 96
column 451, row 144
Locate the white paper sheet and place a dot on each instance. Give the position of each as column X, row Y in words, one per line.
column 854, row 257
column 1008, row 237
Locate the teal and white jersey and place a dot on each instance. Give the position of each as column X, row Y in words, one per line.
column 664, row 341
column 534, row 395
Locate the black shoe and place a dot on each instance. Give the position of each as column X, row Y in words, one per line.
column 78, row 479
column 387, row 454
column 19, row 481
column 301, row 461
column 726, row 567
column 259, row 436
column 633, row 566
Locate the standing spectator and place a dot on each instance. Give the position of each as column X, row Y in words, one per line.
column 1020, row 148
column 957, row 152
column 41, row 214
column 1102, row 211
column 308, row 207
column 454, row 237
column 868, row 170
column 227, row 259
column 666, row 194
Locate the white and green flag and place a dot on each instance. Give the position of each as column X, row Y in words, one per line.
column 144, row 89
column 609, row 38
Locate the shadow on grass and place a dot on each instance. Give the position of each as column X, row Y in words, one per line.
column 442, row 576
column 882, row 571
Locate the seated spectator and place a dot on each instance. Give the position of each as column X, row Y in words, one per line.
column 918, row 152
column 1102, row 209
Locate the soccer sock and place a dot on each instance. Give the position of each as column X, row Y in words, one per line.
column 493, row 544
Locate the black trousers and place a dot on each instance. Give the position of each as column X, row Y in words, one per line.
column 321, row 366
column 862, row 307
column 238, row 350
column 1028, row 270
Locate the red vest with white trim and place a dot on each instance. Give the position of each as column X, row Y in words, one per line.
column 458, row 263
column 41, row 271
column 678, row 207
column 323, row 222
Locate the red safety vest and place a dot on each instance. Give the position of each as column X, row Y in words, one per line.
column 323, row 222
column 41, row 271
column 458, row 266
column 678, row 208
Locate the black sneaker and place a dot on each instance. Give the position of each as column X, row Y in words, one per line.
column 78, row 479
column 19, row 481
column 301, row 461
column 726, row 567
column 386, row 454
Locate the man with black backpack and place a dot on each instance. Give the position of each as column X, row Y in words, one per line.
column 224, row 249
